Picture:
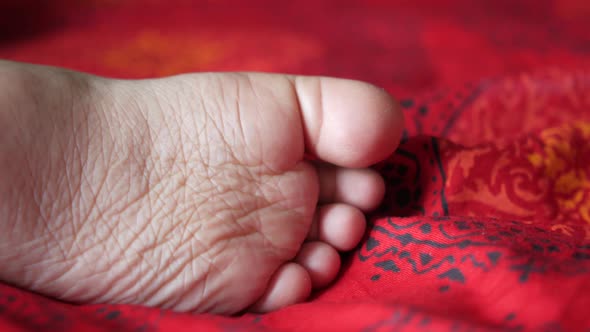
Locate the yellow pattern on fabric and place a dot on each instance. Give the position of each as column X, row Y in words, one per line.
column 151, row 53
column 561, row 164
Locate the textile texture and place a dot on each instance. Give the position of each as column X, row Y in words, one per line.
column 486, row 221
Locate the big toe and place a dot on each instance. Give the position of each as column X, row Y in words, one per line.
column 348, row 123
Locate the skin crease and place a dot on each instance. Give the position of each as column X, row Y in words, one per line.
column 190, row 193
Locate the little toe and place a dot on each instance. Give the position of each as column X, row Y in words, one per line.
column 363, row 188
column 340, row 225
column 290, row 284
column 321, row 261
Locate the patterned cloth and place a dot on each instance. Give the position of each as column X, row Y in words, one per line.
column 486, row 221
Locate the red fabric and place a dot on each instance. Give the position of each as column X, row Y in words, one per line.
column 486, row 223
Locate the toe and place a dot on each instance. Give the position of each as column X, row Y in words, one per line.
column 362, row 188
column 348, row 123
column 289, row 285
column 339, row 225
column 321, row 261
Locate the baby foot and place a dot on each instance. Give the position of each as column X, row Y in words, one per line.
column 199, row 192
